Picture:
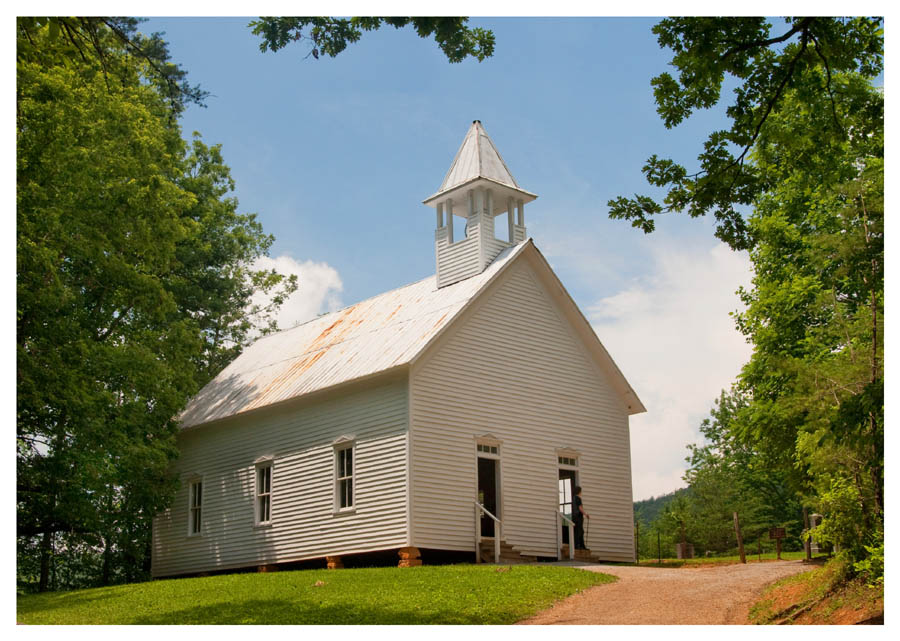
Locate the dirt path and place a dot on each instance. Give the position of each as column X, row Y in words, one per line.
column 706, row 595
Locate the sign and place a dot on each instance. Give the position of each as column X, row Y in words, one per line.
column 776, row 533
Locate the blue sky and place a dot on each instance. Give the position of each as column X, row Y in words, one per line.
column 336, row 155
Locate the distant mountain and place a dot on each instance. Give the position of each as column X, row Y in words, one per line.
column 647, row 510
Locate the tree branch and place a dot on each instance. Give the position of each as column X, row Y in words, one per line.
column 828, row 83
column 802, row 26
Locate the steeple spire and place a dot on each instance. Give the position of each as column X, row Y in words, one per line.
column 477, row 157
column 478, row 188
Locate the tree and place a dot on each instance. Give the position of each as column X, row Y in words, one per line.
column 767, row 66
column 805, row 150
column 133, row 274
column 815, row 314
column 330, row 36
column 728, row 475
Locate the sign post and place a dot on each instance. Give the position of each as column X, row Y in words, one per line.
column 777, row 533
column 807, row 544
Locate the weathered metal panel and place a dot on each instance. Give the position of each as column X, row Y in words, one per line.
column 513, row 366
column 477, row 157
column 370, row 337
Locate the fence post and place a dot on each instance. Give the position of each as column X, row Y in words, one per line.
column 637, row 542
column 740, row 540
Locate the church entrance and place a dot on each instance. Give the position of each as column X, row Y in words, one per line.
column 489, row 492
column 567, row 484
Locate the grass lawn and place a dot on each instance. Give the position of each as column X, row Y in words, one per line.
column 716, row 560
column 450, row 594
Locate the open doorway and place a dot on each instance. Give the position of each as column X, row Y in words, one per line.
column 489, row 492
column 567, row 484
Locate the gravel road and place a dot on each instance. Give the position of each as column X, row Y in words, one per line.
column 705, row 595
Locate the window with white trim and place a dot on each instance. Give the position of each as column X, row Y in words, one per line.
column 488, row 449
column 343, row 460
column 264, row 493
column 195, row 507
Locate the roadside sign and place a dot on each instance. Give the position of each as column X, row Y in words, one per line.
column 776, row 533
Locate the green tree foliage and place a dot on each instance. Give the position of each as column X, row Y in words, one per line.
column 330, row 36
column 767, row 63
column 815, row 314
column 133, row 277
column 806, row 151
column 728, row 475
column 647, row 510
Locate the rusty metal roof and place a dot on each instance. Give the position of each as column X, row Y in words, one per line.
column 375, row 335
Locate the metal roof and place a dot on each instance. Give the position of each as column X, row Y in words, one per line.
column 373, row 336
column 477, row 158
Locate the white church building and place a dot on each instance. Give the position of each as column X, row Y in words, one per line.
column 453, row 414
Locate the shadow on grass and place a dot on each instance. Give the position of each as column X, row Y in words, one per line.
column 59, row 600
column 285, row 612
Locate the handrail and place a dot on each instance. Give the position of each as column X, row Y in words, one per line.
column 560, row 517
column 478, row 509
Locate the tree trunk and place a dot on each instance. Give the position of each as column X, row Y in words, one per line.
column 46, row 553
column 107, row 562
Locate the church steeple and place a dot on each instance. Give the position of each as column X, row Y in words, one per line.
column 478, row 188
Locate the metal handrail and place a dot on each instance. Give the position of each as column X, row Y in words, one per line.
column 560, row 517
column 478, row 509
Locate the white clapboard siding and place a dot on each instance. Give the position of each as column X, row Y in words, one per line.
column 514, row 367
column 299, row 436
column 461, row 259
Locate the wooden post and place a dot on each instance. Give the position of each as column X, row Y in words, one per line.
column 637, row 542
column 778, row 548
column 740, row 540
column 807, row 544
column 449, row 221
column 658, row 549
column 759, row 548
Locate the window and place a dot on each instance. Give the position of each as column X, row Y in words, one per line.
column 488, row 449
column 264, row 493
column 344, row 478
column 568, row 460
column 195, row 503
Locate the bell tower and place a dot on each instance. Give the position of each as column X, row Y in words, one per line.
column 478, row 189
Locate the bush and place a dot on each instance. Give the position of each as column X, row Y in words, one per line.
column 871, row 568
column 842, row 523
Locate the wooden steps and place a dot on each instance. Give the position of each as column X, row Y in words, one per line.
column 508, row 553
column 585, row 556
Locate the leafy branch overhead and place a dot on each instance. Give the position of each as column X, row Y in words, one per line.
column 330, row 36
column 767, row 64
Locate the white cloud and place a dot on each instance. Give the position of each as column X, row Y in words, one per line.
column 672, row 337
column 319, row 289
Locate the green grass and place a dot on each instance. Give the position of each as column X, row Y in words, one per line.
column 715, row 560
column 454, row 594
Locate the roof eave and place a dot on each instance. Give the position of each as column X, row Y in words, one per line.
column 431, row 201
